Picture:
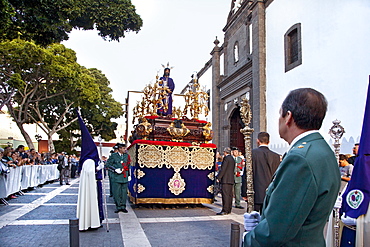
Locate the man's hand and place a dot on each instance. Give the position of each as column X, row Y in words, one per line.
column 118, row 171
column 251, row 220
column 100, row 166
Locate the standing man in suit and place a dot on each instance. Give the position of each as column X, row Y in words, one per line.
column 264, row 162
column 119, row 165
column 226, row 178
column 305, row 187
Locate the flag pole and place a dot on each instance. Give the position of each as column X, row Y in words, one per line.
column 103, row 185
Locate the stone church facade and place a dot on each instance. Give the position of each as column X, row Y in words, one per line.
column 271, row 47
column 244, row 61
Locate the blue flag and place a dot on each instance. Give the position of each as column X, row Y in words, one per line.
column 357, row 195
column 88, row 147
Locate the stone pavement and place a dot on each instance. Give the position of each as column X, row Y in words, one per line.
column 41, row 216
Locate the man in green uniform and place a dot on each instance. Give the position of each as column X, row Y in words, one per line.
column 305, row 186
column 119, row 165
column 237, row 177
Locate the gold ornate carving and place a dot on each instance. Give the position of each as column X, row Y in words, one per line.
column 178, row 132
column 140, row 188
column 144, row 128
column 139, row 173
column 211, row 176
column 196, row 99
column 207, row 132
column 177, row 157
column 176, row 184
column 150, row 156
column 170, row 200
column 210, row 189
column 202, row 159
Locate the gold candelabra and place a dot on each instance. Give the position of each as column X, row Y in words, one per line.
column 196, row 100
column 153, row 100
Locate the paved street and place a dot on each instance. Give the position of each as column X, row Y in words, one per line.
column 41, row 216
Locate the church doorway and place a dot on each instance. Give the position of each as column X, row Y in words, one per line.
column 236, row 137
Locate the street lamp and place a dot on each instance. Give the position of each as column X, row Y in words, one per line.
column 38, row 137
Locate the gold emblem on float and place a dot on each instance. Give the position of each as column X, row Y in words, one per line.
column 176, row 184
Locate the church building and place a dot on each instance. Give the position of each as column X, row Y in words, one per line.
column 271, row 47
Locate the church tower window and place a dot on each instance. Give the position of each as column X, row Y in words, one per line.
column 236, row 52
column 292, row 47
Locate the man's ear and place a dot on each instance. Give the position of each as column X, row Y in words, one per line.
column 289, row 118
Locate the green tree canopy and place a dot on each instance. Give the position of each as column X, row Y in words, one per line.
column 50, row 21
column 48, row 84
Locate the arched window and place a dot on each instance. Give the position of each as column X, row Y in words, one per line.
column 236, row 52
column 293, row 47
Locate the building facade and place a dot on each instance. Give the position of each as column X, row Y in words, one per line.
column 274, row 46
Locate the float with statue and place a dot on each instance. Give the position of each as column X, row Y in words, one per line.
column 172, row 159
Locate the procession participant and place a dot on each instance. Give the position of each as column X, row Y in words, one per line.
column 119, row 165
column 226, row 178
column 115, row 150
column 90, row 200
column 264, row 162
column 237, row 177
column 305, row 186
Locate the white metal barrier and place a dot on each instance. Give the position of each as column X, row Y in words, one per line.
column 23, row 177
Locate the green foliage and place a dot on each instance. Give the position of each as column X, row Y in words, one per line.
column 49, row 84
column 50, row 21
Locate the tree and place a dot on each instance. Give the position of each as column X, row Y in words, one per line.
column 97, row 114
column 50, row 21
column 48, row 85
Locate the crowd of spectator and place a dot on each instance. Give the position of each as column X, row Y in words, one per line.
column 11, row 158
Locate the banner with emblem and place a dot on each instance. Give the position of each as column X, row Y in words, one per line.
column 357, row 195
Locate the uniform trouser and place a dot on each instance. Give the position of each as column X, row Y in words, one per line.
column 120, row 195
column 64, row 175
column 237, row 193
column 227, row 197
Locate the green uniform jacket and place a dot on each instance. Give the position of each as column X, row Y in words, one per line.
column 119, row 161
column 300, row 198
column 238, row 170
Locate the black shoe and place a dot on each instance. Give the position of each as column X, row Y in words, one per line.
column 124, row 210
column 221, row 213
column 117, row 211
column 239, row 207
column 68, row 184
column 61, row 183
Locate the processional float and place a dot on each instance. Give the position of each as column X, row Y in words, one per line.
column 173, row 161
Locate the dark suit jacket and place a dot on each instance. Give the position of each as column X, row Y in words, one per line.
column 264, row 162
column 226, row 175
column 300, row 197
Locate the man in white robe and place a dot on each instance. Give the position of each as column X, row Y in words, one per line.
column 87, row 204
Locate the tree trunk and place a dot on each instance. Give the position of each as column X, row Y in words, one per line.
column 51, row 147
column 25, row 135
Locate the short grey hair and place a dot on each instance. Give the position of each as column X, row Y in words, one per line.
column 227, row 150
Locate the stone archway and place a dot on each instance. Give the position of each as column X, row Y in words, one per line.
column 236, row 137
